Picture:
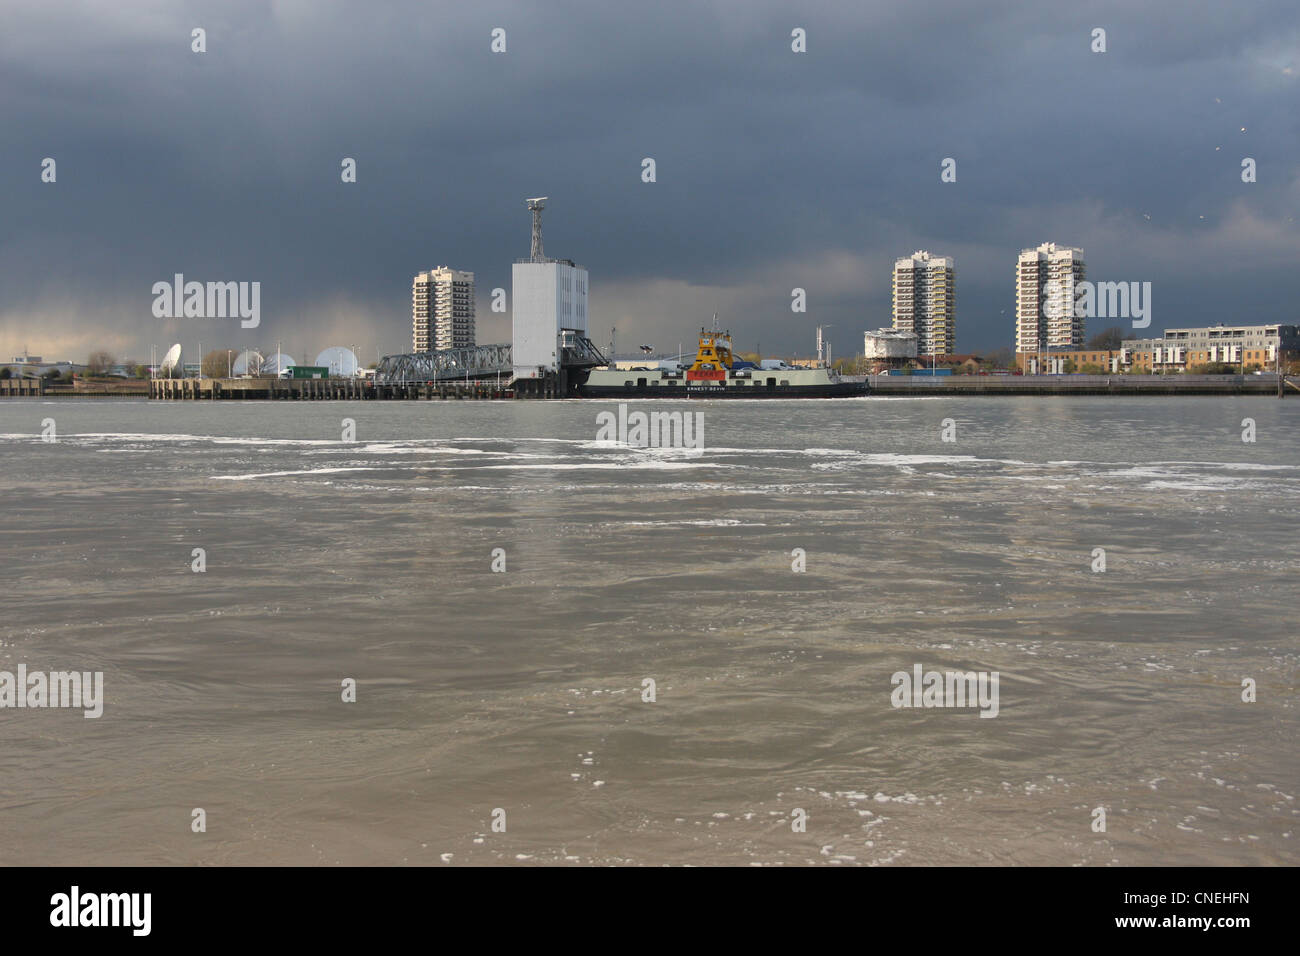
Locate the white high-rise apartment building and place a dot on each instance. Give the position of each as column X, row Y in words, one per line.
column 923, row 301
column 442, row 310
column 1047, row 286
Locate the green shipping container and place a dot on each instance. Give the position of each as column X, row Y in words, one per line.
column 309, row 371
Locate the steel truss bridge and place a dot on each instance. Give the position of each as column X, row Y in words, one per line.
column 477, row 362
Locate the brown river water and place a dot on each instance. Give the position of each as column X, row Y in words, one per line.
column 523, row 690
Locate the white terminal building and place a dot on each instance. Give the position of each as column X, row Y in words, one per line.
column 549, row 297
column 889, row 344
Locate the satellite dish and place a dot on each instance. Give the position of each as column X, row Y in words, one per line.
column 171, row 359
column 275, row 364
column 249, row 362
column 340, row 361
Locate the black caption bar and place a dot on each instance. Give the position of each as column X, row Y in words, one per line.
column 139, row 906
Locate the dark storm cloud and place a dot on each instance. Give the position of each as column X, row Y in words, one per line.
column 775, row 169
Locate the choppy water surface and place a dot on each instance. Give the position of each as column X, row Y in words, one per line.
column 523, row 690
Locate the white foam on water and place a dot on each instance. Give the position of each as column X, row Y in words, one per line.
column 403, row 448
column 506, row 440
column 184, row 437
column 139, row 436
column 283, row 474
column 887, row 458
column 230, row 440
column 1148, row 472
column 703, row 523
column 1227, row 465
column 1194, row 485
column 811, row 452
column 908, row 463
column 641, row 450
column 1252, row 466
column 650, row 464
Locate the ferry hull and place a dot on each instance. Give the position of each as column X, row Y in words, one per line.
column 715, row 373
column 828, row 390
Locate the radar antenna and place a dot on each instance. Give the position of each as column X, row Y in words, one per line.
column 537, row 205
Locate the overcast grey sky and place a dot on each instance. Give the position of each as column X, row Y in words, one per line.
column 775, row 169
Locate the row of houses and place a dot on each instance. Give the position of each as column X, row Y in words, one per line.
column 1248, row 347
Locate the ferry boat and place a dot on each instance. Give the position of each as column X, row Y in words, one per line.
column 716, row 373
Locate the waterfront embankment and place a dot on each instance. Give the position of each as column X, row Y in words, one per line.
column 1126, row 385
column 346, row 389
